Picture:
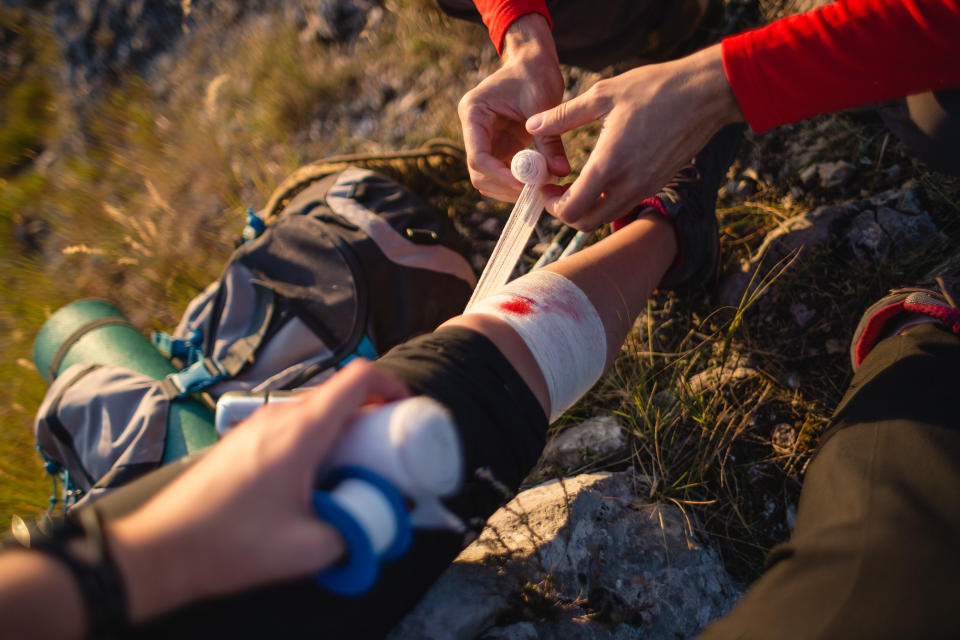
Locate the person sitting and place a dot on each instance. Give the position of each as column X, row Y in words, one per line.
column 228, row 547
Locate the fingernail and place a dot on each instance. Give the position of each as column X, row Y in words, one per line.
column 534, row 122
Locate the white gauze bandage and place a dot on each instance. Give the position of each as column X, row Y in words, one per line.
column 561, row 328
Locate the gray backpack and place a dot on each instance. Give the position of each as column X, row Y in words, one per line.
column 352, row 265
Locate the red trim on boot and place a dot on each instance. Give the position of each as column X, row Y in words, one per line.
column 947, row 315
column 874, row 329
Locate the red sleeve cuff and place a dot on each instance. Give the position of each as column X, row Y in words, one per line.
column 749, row 89
column 498, row 15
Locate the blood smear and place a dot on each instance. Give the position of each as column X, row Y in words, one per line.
column 518, row 305
column 562, row 306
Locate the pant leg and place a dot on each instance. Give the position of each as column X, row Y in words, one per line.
column 875, row 552
column 502, row 429
column 929, row 124
column 630, row 32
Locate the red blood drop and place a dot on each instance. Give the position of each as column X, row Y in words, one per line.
column 519, row 305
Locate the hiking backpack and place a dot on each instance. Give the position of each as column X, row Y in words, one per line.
column 340, row 264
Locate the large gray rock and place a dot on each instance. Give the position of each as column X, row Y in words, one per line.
column 580, row 558
column 599, row 438
column 884, row 234
column 889, row 225
column 829, row 174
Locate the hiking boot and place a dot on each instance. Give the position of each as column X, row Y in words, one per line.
column 904, row 308
column 689, row 201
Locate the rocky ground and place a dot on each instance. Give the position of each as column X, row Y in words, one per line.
column 136, row 133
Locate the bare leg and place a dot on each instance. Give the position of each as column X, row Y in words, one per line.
column 617, row 274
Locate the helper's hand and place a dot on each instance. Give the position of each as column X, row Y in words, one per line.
column 494, row 112
column 655, row 119
column 242, row 515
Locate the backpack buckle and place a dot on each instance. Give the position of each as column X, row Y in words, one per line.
column 197, row 376
column 189, row 351
column 255, row 226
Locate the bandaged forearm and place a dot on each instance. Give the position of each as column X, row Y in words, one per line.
column 560, row 326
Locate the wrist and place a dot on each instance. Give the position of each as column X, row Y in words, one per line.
column 151, row 567
column 529, row 36
column 714, row 96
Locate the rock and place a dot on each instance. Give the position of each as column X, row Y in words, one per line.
column 905, row 199
column 834, row 174
column 892, row 174
column 791, row 516
column 807, row 175
column 829, row 174
column 783, row 438
column 835, row 346
column 728, row 189
column 746, row 188
column 887, row 233
column 491, row 226
column 334, row 20
column 601, row 437
column 801, row 232
column 100, row 39
column 791, row 380
column 867, row 238
column 716, row 378
column 605, row 563
column 738, row 188
column 802, row 314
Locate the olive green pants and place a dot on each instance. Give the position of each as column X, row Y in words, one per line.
column 875, row 552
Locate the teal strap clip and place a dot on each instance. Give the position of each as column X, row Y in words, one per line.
column 188, row 351
column 255, row 226
column 196, row 377
column 364, row 350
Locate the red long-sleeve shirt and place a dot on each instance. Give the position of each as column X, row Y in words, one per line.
column 844, row 54
column 841, row 55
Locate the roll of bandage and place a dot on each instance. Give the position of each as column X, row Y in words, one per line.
column 412, row 443
column 529, row 167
